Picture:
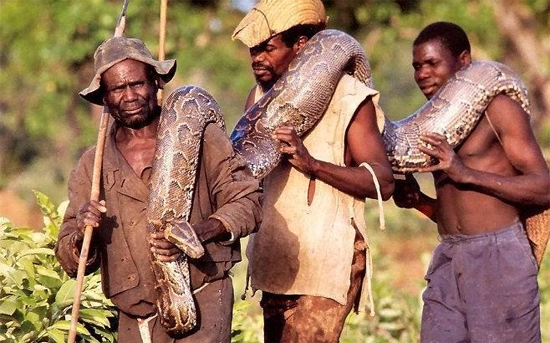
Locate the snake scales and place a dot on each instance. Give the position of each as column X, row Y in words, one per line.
column 298, row 98
column 184, row 117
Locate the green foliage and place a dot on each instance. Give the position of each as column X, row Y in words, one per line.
column 36, row 295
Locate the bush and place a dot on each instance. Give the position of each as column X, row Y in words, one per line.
column 36, row 295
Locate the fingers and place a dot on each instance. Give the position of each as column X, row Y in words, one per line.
column 90, row 214
column 163, row 250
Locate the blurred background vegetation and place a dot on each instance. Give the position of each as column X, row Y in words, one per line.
column 46, row 58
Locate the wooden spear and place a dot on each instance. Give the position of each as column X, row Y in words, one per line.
column 96, row 179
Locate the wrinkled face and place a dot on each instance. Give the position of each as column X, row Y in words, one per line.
column 270, row 60
column 433, row 66
column 130, row 94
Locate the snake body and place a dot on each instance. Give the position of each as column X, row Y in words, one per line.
column 453, row 112
column 299, row 98
column 302, row 94
column 184, row 116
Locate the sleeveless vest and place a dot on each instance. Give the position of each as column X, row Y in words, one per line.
column 308, row 249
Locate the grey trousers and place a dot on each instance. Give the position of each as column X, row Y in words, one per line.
column 483, row 289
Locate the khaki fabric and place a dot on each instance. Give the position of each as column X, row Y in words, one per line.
column 271, row 17
column 308, row 249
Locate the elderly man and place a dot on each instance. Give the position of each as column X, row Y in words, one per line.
column 482, row 281
column 225, row 205
column 310, row 256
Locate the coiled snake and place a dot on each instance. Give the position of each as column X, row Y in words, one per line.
column 184, row 116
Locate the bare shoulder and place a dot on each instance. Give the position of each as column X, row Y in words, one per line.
column 505, row 108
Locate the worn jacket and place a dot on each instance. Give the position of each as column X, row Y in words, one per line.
column 120, row 245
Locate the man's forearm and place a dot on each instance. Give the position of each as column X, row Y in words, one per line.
column 355, row 181
column 529, row 189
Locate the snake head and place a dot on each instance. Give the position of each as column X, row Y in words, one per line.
column 183, row 236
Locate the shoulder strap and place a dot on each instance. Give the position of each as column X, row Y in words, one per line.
column 493, row 128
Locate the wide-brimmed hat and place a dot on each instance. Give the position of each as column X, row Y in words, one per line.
column 271, row 17
column 117, row 49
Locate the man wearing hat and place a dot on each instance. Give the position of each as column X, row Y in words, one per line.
column 225, row 205
column 310, row 256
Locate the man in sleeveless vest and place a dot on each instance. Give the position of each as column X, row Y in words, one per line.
column 482, row 280
column 310, row 256
column 225, row 207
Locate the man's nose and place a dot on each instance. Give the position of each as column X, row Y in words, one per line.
column 422, row 73
column 129, row 93
column 257, row 56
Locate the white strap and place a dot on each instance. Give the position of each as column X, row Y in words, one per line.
column 144, row 332
column 378, row 195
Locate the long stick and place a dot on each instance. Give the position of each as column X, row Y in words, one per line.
column 162, row 38
column 96, row 178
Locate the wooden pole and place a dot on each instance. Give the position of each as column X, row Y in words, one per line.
column 96, row 181
column 162, row 38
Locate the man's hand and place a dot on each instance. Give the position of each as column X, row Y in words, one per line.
column 164, row 250
column 90, row 214
column 293, row 146
column 449, row 162
column 407, row 192
column 211, row 229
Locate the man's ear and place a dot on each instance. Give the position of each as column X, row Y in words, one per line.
column 465, row 58
column 300, row 43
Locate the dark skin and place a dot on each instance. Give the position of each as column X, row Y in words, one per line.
column 130, row 93
column 481, row 185
column 270, row 60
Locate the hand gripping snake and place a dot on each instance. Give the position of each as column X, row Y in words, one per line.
column 185, row 114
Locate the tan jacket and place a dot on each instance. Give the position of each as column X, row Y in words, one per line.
column 120, row 245
column 308, row 249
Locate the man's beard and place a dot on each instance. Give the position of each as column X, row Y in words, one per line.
column 139, row 121
column 265, row 85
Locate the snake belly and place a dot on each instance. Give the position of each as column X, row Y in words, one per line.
column 302, row 94
column 186, row 113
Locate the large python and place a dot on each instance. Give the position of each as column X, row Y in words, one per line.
column 184, row 116
column 299, row 98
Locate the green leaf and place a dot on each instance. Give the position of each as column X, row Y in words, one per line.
column 95, row 316
column 28, row 267
column 38, row 251
column 48, row 272
column 65, row 295
column 65, row 325
column 46, row 206
column 56, row 335
column 8, row 305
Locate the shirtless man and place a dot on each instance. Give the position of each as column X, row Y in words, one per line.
column 482, row 281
